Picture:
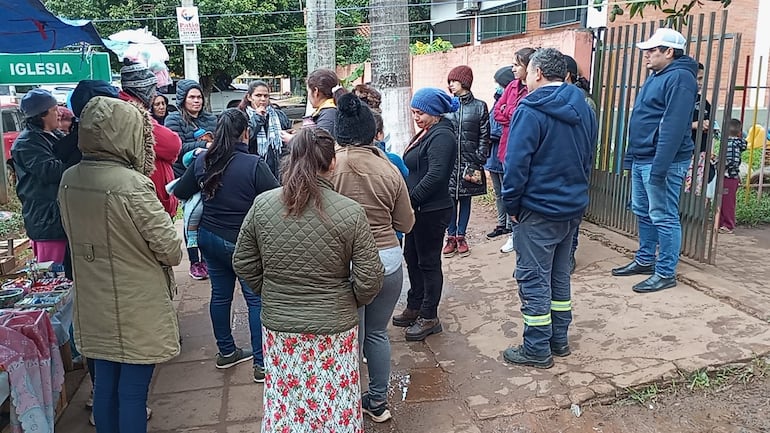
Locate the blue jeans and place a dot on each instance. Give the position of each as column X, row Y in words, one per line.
column 219, row 258
column 657, row 212
column 497, row 186
column 120, row 397
column 543, row 250
column 373, row 331
column 458, row 224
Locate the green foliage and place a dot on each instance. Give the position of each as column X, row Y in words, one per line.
column 351, row 46
column 751, row 210
column 12, row 227
column 644, row 395
column 356, row 50
column 255, row 40
column 756, row 158
column 419, row 17
column 437, row 46
column 357, row 73
column 676, row 13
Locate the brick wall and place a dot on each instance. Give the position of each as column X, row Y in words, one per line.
column 430, row 70
column 742, row 18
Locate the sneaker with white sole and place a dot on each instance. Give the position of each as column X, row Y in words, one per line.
column 379, row 413
column 234, row 358
column 508, row 246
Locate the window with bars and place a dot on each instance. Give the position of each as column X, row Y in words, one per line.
column 458, row 32
column 560, row 12
column 510, row 19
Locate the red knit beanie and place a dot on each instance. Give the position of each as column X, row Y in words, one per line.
column 463, row 74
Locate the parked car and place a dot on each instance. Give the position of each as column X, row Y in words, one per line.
column 60, row 91
column 220, row 100
column 13, row 123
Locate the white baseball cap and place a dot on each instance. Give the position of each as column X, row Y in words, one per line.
column 664, row 37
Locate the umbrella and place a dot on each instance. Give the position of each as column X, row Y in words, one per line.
column 26, row 26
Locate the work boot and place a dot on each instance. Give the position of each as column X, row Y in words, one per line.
column 560, row 349
column 517, row 356
column 462, row 247
column 450, row 248
column 406, row 318
column 422, row 328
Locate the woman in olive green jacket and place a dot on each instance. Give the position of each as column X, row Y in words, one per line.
column 309, row 252
column 123, row 246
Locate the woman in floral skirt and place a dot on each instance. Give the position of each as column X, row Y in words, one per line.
column 309, row 252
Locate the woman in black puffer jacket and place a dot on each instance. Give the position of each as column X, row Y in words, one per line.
column 189, row 118
column 471, row 127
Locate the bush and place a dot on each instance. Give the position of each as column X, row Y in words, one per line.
column 437, row 46
column 754, row 211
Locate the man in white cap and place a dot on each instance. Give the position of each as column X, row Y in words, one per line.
column 659, row 150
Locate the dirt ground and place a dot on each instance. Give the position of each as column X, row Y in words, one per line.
column 737, row 409
column 740, row 409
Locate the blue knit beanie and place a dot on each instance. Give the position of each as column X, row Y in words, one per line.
column 37, row 101
column 433, row 101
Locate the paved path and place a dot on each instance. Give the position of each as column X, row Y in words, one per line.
column 456, row 381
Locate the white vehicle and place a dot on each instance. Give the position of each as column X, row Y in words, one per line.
column 60, row 91
column 220, row 100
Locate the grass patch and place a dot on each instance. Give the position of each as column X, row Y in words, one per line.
column 701, row 381
column 753, row 211
column 756, row 158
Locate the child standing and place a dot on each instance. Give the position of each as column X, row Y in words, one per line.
column 735, row 146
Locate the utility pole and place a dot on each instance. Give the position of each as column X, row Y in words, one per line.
column 391, row 68
column 191, row 50
column 321, row 44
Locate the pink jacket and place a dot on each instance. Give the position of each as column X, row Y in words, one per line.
column 514, row 92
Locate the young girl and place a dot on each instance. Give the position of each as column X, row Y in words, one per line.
column 735, row 146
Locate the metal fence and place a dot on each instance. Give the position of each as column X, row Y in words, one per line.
column 619, row 73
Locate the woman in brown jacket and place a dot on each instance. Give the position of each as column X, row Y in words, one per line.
column 365, row 174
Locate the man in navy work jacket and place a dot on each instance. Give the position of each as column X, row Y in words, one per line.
column 545, row 191
column 660, row 147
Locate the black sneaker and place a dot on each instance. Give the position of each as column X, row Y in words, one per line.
column 259, row 374
column 379, row 413
column 560, row 350
column 497, row 231
column 235, row 358
column 516, row 355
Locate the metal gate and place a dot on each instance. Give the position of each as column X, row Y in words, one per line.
column 618, row 75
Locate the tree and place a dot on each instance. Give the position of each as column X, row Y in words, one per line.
column 391, row 67
column 321, row 51
column 677, row 13
column 238, row 35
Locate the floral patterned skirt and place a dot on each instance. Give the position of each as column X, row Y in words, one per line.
column 311, row 383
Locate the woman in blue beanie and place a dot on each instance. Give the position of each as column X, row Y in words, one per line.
column 430, row 158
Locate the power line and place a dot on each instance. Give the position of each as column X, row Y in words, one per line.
column 352, row 8
column 373, row 26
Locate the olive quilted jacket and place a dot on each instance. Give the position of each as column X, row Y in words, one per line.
column 312, row 274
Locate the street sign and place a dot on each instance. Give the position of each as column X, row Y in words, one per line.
column 189, row 25
column 53, row 68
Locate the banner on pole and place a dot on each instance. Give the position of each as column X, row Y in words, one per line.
column 189, row 25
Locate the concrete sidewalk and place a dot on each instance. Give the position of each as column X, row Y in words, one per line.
column 456, row 381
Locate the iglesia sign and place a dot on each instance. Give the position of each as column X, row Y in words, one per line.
column 53, row 68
